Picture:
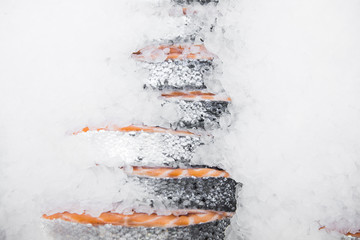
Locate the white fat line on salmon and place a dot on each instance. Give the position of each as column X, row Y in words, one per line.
column 69, row 218
column 197, row 169
column 148, row 221
column 215, row 217
column 172, row 223
column 191, row 221
column 209, row 174
column 184, row 173
column 164, row 174
column 176, row 172
column 126, row 220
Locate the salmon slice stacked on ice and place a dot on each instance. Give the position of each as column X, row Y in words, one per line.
column 199, row 109
column 176, row 66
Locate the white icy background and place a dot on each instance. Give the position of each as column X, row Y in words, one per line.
column 291, row 68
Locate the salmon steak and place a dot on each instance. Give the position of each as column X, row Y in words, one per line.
column 162, row 168
column 142, row 145
column 142, row 219
column 178, row 172
column 176, row 66
column 139, row 226
column 199, row 109
column 205, row 193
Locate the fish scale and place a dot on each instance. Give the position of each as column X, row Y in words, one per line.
column 146, row 149
column 61, row 230
column 200, row 114
column 178, row 74
column 216, row 194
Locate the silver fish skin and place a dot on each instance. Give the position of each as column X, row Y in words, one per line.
column 178, row 74
column 211, row 193
column 145, row 149
column 63, row 230
column 205, row 115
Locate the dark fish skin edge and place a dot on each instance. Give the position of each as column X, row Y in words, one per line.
column 63, row 230
column 205, row 166
column 214, row 110
column 212, row 193
column 195, row 166
column 202, row 2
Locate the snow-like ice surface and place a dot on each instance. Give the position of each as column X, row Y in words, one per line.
column 290, row 67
